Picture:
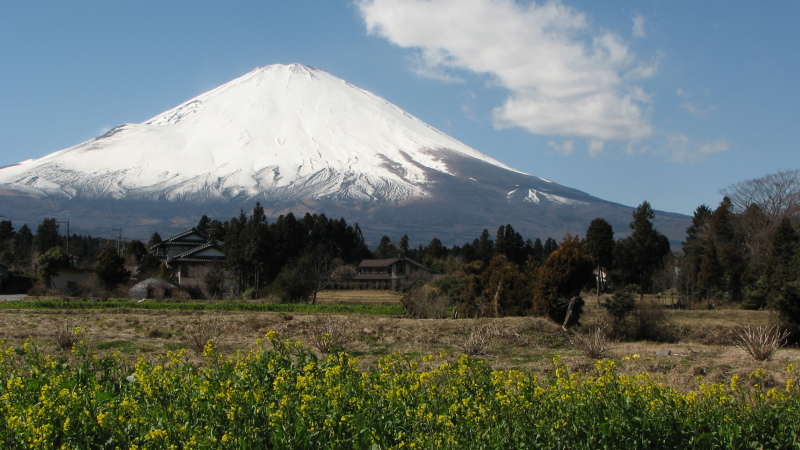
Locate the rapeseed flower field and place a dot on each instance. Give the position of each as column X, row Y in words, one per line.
column 281, row 395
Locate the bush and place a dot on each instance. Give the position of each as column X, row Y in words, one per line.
column 424, row 302
column 755, row 297
column 650, row 323
column 760, row 342
column 561, row 308
column 477, row 340
column 328, row 335
column 201, row 333
column 595, row 343
column 620, row 305
column 788, row 305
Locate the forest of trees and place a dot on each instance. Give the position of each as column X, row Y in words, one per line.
column 746, row 252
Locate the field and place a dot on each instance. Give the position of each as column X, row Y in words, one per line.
column 383, row 354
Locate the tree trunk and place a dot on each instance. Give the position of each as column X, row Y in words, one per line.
column 569, row 313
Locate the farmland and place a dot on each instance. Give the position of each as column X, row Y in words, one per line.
column 386, row 381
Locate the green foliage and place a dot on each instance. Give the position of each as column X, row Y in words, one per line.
column 283, row 396
column 136, row 249
column 781, row 262
column 125, row 305
column 506, row 290
column 788, row 305
column 296, row 283
column 510, row 244
column 47, row 235
column 214, row 280
column 620, row 305
column 50, row 263
column 600, row 242
column 561, row 278
column 110, row 268
column 637, row 257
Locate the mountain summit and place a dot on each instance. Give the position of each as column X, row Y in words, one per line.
column 297, row 139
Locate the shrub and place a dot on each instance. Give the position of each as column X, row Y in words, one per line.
column 477, row 340
column 424, row 302
column 650, row 323
column 760, row 342
column 66, row 335
column 595, row 343
column 327, row 334
column 620, row 305
column 202, row 333
column 788, row 305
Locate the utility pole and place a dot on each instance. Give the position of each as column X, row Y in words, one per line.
column 66, row 222
column 119, row 240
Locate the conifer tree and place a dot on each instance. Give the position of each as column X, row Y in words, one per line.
column 637, row 257
column 47, row 235
column 694, row 247
column 49, row 265
column 110, row 267
column 783, row 256
column 600, row 246
column 560, row 279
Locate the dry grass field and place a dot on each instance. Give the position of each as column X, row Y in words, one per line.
column 703, row 347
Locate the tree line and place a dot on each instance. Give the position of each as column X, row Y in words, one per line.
column 746, row 252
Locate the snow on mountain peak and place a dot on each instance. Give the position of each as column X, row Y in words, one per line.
column 279, row 130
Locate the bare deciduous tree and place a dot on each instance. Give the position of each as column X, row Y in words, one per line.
column 777, row 194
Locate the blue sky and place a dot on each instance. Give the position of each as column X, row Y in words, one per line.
column 662, row 101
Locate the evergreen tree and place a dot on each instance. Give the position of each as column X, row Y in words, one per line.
column 259, row 247
column 7, row 242
column 49, row 263
column 729, row 249
column 203, row 224
column 510, row 244
column 537, row 251
column 47, row 236
column 23, row 246
column 136, row 250
column 710, row 276
column 550, row 245
column 504, row 288
column 385, row 249
column 782, row 259
column 694, row 248
column 6, row 231
column 110, row 267
column 155, row 239
column 637, row 257
column 434, row 251
column 560, row 279
column 404, row 249
column 217, row 230
column 600, row 246
column 484, row 248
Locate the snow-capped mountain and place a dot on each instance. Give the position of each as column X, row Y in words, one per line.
column 297, row 139
column 276, row 132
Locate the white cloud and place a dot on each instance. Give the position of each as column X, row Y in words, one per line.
column 698, row 110
column 595, row 148
column 564, row 148
column 563, row 77
column 638, row 26
column 681, row 148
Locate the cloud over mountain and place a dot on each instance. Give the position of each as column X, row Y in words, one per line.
column 564, row 77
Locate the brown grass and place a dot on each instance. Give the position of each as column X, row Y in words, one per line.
column 527, row 343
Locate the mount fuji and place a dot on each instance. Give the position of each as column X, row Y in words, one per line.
column 298, row 139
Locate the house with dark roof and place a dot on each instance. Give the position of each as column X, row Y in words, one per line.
column 386, row 273
column 189, row 255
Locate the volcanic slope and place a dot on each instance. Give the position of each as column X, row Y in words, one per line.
column 297, row 139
